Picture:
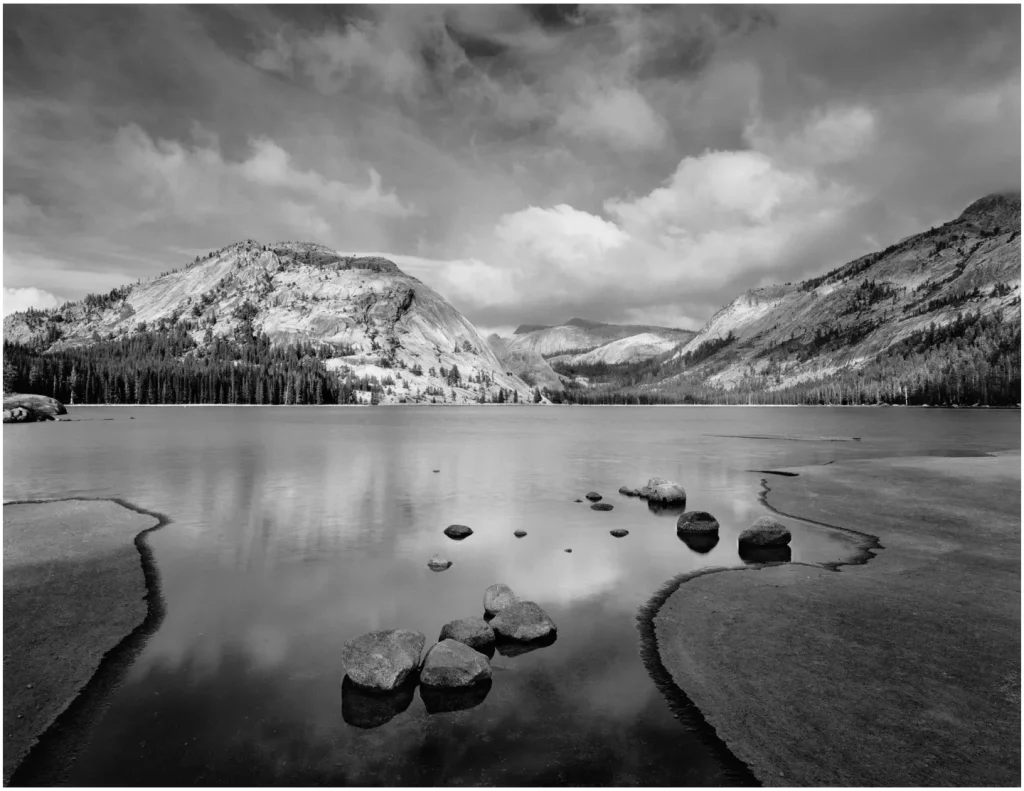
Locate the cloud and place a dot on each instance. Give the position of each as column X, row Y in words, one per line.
column 620, row 116
column 19, row 299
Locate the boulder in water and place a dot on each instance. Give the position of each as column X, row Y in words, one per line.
column 42, row 407
column 662, row 492
column 766, row 532
column 592, row 496
column 523, row 620
column 619, row 533
column 438, row 563
column 751, row 553
column 497, row 598
column 601, row 507
column 701, row 543
column 365, row 709
column 519, row 533
column 458, row 532
column 629, row 491
column 451, row 664
column 511, row 648
column 697, row 523
column 474, row 632
column 382, row 660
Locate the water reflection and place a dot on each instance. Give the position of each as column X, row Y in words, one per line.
column 365, row 709
column 701, row 544
column 441, row 701
column 749, row 554
column 662, row 509
column 512, row 648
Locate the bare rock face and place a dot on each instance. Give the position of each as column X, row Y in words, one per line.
column 523, row 620
column 662, row 492
column 766, row 532
column 474, row 632
column 33, row 408
column 697, row 523
column 451, row 664
column 497, row 598
column 382, row 660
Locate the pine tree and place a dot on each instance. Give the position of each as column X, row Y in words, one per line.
column 9, row 377
column 537, row 398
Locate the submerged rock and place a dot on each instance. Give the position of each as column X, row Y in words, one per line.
column 458, row 532
column 441, row 700
column 519, row 533
column 497, row 598
column 438, row 563
column 662, row 492
column 619, row 533
column 592, row 496
column 766, row 532
column 697, row 523
column 382, row 660
column 523, row 620
column 474, row 632
column 601, row 507
column 452, row 664
column 629, row 491
column 365, row 709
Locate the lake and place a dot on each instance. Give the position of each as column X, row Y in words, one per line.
column 295, row 529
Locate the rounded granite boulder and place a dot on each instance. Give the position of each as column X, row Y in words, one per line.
column 661, row 492
column 438, row 563
column 382, row 660
column 474, row 632
column 524, row 620
column 497, row 598
column 765, row 532
column 450, row 664
column 629, row 491
column 592, row 496
column 458, row 532
column 697, row 523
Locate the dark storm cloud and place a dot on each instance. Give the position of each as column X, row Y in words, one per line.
column 624, row 163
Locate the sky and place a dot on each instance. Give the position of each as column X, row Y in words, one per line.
column 631, row 164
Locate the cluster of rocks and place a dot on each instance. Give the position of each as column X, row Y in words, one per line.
column 661, row 495
column 25, row 408
column 382, row 668
column 765, row 541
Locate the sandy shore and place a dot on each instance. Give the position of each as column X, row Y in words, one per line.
column 903, row 671
column 75, row 590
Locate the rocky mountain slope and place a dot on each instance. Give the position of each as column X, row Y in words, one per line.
column 642, row 346
column 861, row 314
column 364, row 317
column 578, row 336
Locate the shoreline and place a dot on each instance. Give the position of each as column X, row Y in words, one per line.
column 51, row 749
column 589, row 406
column 781, row 640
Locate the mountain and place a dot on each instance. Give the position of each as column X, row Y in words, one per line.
column 285, row 320
column 934, row 318
column 642, row 346
column 527, row 364
column 580, row 335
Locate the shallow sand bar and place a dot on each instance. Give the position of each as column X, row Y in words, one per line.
column 904, row 671
column 74, row 587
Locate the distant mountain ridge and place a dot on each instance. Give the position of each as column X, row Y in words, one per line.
column 578, row 336
column 359, row 319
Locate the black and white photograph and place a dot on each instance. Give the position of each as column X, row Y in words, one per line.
column 418, row 395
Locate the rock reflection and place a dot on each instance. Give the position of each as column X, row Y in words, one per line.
column 511, row 648
column 440, row 701
column 660, row 509
column 365, row 709
column 749, row 554
column 701, row 544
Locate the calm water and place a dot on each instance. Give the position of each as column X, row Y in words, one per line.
column 295, row 529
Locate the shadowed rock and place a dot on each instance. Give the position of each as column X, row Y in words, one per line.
column 438, row 563
column 498, row 597
column 601, row 507
column 451, row 664
column 697, row 523
column 512, row 648
column 592, row 496
column 365, row 709
column 629, row 491
column 474, row 632
column 663, row 492
column 382, row 660
column 619, row 533
column 765, row 532
column 699, row 543
column 750, row 553
column 458, row 532
column 519, row 533
column 524, row 621
column 438, row 700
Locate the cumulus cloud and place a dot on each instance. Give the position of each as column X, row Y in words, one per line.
column 18, row 299
column 620, row 116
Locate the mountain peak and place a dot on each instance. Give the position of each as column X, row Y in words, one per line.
column 997, row 206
